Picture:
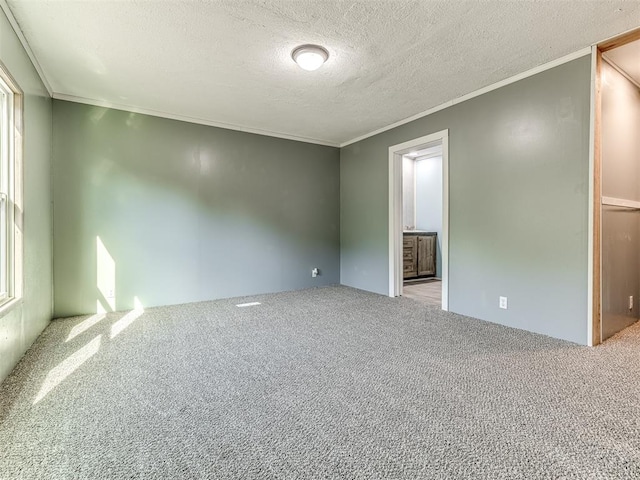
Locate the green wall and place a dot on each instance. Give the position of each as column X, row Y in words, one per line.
column 185, row 212
column 21, row 325
column 518, row 183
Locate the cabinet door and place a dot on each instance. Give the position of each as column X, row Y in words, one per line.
column 410, row 256
column 427, row 255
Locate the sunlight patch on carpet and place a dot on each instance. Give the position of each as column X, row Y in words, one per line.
column 65, row 368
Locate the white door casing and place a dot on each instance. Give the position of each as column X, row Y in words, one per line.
column 395, row 210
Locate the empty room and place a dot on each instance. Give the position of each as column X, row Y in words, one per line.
column 319, row 239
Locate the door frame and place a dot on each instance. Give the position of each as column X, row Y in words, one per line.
column 594, row 266
column 395, row 210
column 594, row 272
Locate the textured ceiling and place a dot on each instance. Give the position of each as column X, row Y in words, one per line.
column 228, row 62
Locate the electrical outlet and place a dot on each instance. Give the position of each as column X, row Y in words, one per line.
column 503, row 302
column 630, row 302
column 315, row 272
column 111, row 293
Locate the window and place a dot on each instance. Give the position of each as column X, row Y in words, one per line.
column 10, row 188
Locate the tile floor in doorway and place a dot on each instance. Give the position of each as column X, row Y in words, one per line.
column 428, row 291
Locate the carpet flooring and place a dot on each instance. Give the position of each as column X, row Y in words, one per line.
column 325, row 383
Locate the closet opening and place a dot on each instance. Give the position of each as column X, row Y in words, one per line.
column 616, row 302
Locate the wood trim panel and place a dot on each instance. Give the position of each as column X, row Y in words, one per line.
column 596, row 326
column 621, row 202
column 619, row 41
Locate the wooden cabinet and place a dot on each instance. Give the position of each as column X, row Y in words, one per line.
column 426, row 255
column 410, row 256
column 418, row 255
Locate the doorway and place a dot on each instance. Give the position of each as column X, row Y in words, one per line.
column 616, row 187
column 401, row 226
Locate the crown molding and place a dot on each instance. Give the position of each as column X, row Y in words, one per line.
column 27, row 48
column 534, row 71
column 185, row 118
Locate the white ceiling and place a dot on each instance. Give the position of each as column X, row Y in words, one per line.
column 426, row 152
column 228, row 62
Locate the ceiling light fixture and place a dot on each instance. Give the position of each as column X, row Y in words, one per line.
column 309, row 57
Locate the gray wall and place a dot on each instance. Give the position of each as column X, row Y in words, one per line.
column 408, row 193
column 620, row 179
column 429, row 201
column 519, row 177
column 20, row 327
column 186, row 212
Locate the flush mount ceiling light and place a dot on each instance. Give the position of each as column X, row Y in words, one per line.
column 309, row 57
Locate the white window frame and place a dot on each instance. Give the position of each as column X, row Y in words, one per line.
column 11, row 212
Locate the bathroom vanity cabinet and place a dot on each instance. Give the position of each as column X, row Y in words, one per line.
column 418, row 254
